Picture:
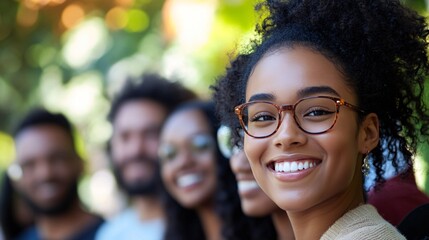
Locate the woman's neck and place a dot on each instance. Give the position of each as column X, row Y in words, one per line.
column 211, row 222
column 314, row 222
column 282, row 224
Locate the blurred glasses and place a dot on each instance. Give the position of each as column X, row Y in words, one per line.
column 225, row 142
column 313, row 115
column 197, row 145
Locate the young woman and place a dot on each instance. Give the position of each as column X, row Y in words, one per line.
column 327, row 90
column 202, row 200
column 254, row 202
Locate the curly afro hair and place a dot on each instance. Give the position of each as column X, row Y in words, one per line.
column 379, row 46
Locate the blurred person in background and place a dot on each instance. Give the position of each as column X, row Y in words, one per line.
column 397, row 197
column 202, row 198
column 254, row 202
column 137, row 114
column 49, row 171
column 15, row 215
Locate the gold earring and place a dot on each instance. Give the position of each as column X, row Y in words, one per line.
column 365, row 164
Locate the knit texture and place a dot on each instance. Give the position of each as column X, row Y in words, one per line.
column 363, row 222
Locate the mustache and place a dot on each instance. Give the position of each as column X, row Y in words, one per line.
column 141, row 158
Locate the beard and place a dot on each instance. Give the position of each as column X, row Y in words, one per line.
column 148, row 187
column 56, row 209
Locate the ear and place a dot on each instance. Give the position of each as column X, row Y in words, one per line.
column 369, row 135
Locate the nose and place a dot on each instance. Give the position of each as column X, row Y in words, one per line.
column 289, row 134
column 135, row 146
column 184, row 158
column 43, row 171
column 239, row 163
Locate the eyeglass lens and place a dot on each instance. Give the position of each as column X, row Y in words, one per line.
column 312, row 115
column 196, row 145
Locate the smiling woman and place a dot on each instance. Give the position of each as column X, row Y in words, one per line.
column 202, row 198
column 308, row 97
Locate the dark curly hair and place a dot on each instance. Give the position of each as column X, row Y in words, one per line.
column 379, row 46
column 151, row 87
column 184, row 224
column 40, row 116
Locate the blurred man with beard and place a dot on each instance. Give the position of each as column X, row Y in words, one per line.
column 49, row 169
column 137, row 114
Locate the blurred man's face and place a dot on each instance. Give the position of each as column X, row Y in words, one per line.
column 134, row 146
column 50, row 169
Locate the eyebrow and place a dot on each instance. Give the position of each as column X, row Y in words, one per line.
column 262, row 96
column 302, row 93
column 305, row 92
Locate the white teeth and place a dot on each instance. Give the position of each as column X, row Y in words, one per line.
column 300, row 166
column 244, row 186
column 188, row 180
column 287, row 167
column 293, row 166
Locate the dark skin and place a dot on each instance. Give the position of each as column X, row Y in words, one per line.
column 50, row 167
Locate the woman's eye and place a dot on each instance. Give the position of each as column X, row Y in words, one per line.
column 167, row 153
column 263, row 117
column 317, row 112
column 201, row 143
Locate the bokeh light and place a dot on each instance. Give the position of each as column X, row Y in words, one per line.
column 26, row 16
column 86, row 43
column 138, row 20
column 72, row 15
column 116, row 18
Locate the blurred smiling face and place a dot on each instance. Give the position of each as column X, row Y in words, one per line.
column 50, row 168
column 134, row 146
column 299, row 170
column 254, row 201
column 188, row 157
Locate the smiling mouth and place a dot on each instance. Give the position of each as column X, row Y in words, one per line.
column 247, row 185
column 189, row 180
column 293, row 166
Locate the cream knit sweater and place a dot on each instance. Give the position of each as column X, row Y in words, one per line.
column 363, row 222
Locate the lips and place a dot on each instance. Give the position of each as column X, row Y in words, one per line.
column 48, row 190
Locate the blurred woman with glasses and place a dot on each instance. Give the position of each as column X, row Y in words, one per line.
column 201, row 192
column 254, row 202
column 326, row 91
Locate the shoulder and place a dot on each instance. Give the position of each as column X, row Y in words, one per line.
column 29, row 234
column 116, row 225
column 363, row 222
column 127, row 225
column 90, row 231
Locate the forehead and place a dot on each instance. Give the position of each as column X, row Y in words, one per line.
column 39, row 141
column 137, row 114
column 184, row 124
column 287, row 71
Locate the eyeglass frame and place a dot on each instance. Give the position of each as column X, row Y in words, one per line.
column 291, row 107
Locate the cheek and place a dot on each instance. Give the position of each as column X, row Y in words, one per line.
column 342, row 151
column 167, row 176
column 254, row 148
